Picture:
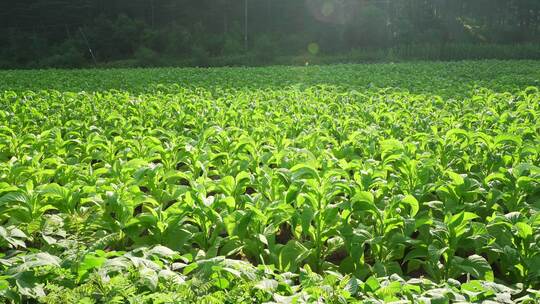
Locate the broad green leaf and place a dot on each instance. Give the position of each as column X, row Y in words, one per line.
column 477, row 266
column 524, row 230
column 412, row 203
column 291, row 255
column 364, row 201
column 303, row 171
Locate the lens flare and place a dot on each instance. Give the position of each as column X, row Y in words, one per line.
column 327, row 8
column 333, row 11
column 313, row 48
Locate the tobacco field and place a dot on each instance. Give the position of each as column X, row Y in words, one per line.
column 384, row 183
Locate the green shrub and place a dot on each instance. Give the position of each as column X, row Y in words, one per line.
column 200, row 56
column 147, row 57
column 265, row 50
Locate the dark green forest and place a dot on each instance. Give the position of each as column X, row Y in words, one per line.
column 61, row 33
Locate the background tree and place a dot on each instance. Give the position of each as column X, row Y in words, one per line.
column 34, row 31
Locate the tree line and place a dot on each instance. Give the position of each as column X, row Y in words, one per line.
column 42, row 33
